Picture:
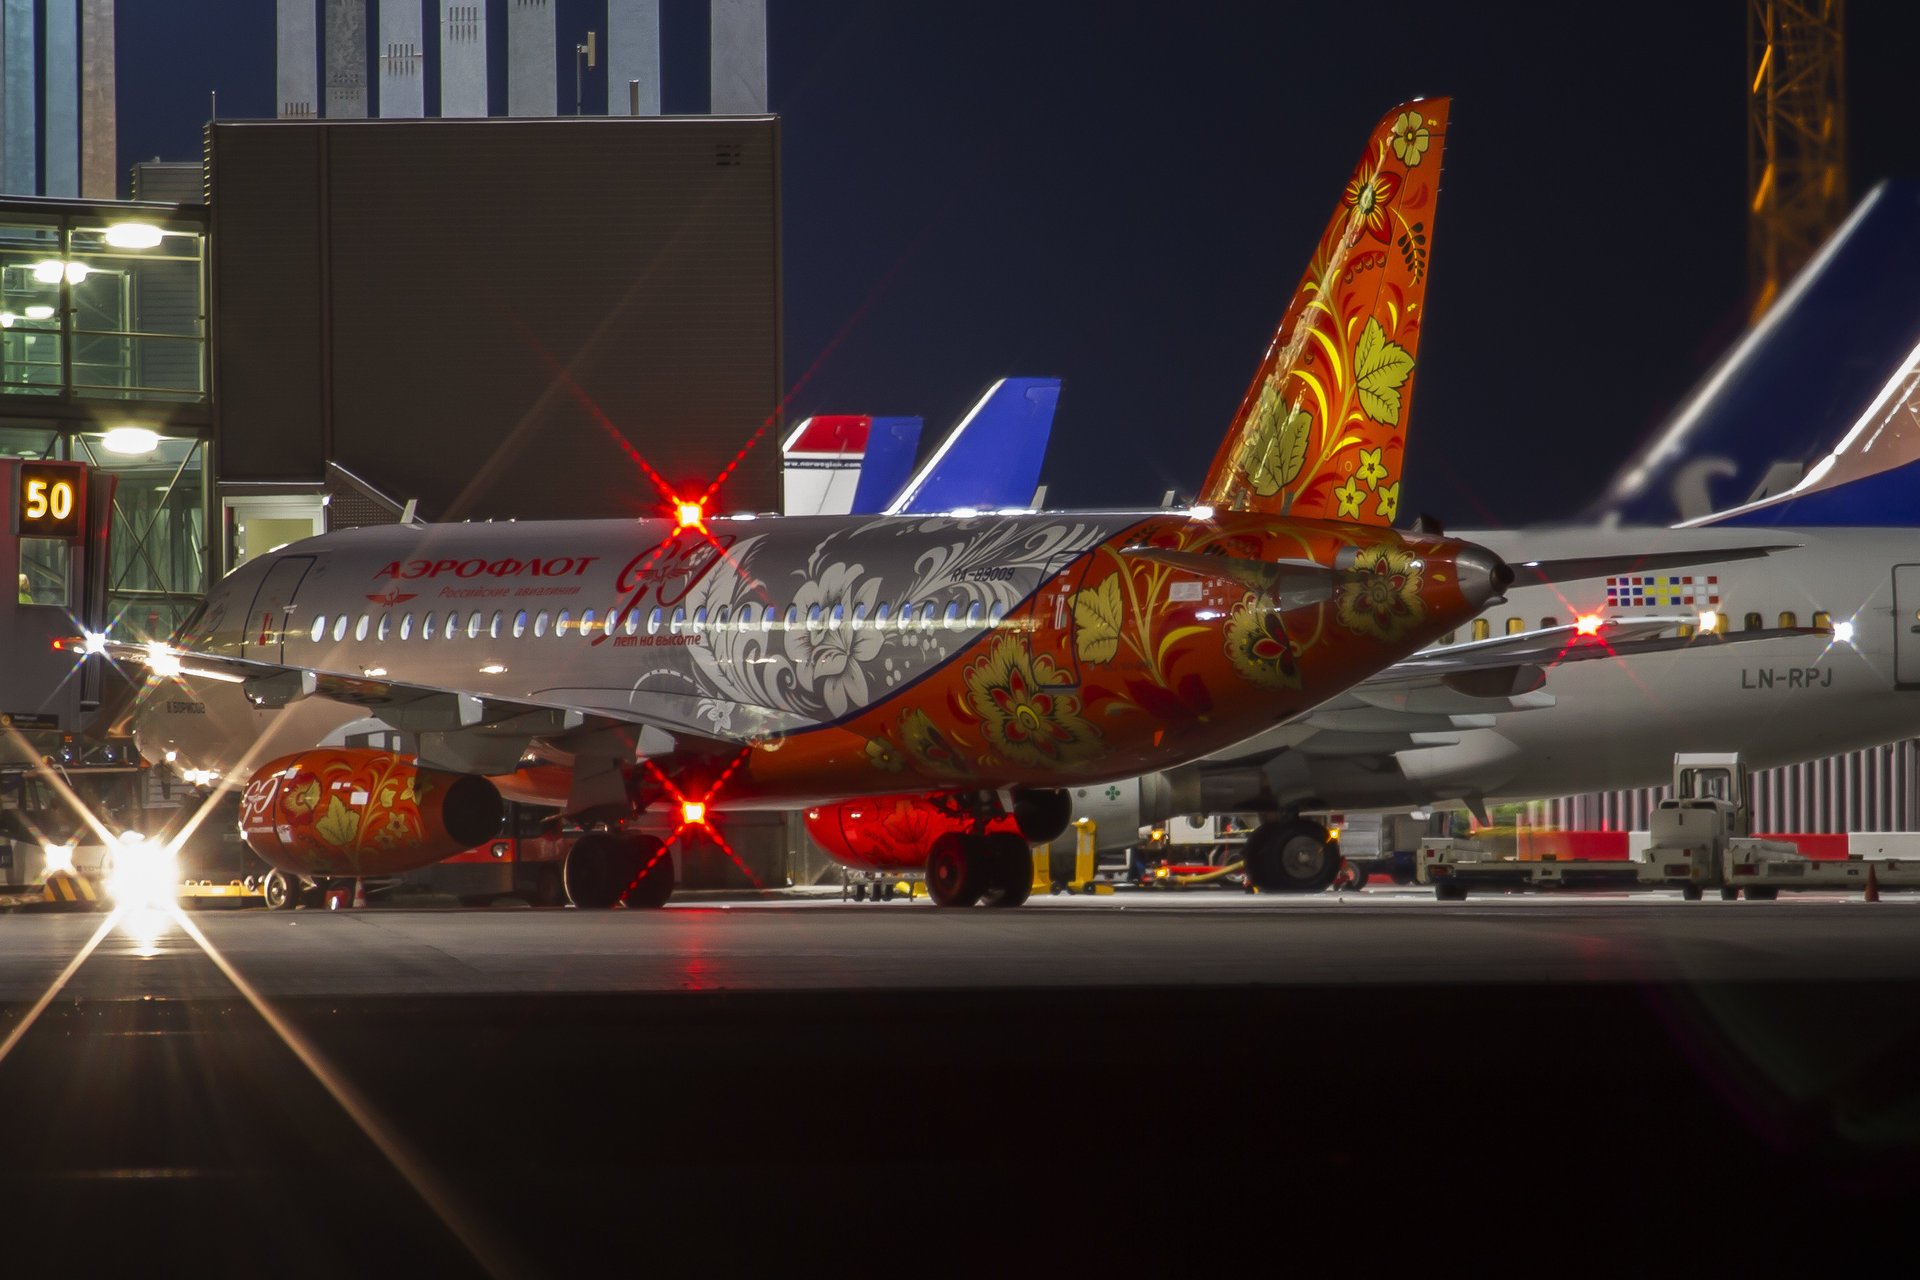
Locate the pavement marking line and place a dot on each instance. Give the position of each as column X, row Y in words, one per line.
column 485, row 1250
column 61, row 980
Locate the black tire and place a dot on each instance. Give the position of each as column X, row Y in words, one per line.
column 956, row 873
column 598, row 870
column 651, row 883
column 282, row 891
column 1767, row 893
column 1355, row 879
column 1009, row 862
column 1291, row 857
column 1691, row 893
column 1450, row 891
column 860, row 893
column 1728, row 893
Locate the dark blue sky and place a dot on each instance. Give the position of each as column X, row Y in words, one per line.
column 1124, row 194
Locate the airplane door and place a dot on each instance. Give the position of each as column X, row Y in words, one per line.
column 1054, row 614
column 264, row 636
column 1906, row 626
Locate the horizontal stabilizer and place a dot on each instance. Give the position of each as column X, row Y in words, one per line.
column 1292, row 583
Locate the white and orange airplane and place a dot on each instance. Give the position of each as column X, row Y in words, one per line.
column 970, row 666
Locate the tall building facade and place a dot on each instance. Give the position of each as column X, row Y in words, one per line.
column 351, row 59
column 57, row 134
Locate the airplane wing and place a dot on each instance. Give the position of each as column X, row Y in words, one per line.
column 462, row 732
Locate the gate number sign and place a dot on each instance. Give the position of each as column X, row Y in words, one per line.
column 51, row 501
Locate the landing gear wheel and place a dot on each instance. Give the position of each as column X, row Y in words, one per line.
column 282, row 891
column 652, row 881
column 1291, row 857
column 598, row 870
column 1009, row 864
column 956, row 873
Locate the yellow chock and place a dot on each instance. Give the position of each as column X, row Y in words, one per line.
column 70, row 889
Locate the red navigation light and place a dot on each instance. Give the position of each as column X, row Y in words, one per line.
column 1588, row 624
column 693, row 813
column 690, row 515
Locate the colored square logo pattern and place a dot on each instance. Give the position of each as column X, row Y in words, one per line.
column 1663, row 591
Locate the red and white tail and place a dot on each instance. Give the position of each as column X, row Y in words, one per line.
column 1322, row 429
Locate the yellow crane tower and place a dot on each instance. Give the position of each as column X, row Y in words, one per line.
column 1796, row 137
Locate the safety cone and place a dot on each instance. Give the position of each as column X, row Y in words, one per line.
column 359, row 892
column 1873, row 885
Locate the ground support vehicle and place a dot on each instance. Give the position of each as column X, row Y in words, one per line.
column 1699, row 840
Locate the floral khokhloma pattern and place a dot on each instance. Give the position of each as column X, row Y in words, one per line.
column 1321, row 431
column 933, row 752
column 1027, row 710
column 389, row 817
column 1259, row 648
column 1383, row 598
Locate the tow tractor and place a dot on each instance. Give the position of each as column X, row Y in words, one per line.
column 1700, row 839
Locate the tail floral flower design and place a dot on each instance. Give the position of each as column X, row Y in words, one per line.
column 1383, row 598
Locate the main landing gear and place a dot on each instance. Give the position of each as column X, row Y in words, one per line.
column 995, row 870
column 605, row 868
column 1291, row 855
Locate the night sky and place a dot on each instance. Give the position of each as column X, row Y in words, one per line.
column 1124, row 195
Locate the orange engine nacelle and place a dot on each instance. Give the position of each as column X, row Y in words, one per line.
column 354, row 811
column 888, row 833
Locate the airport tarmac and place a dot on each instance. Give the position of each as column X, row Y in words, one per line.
column 1125, row 940
column 1132, row 1081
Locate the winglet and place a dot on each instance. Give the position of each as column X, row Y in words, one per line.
column 1321, row 431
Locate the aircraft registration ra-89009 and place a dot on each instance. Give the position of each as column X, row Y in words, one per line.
column 975, row 664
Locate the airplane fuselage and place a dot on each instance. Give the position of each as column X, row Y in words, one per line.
column 1614, row 723
column 818, row 658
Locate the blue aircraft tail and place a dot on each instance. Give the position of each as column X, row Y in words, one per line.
column 892, row 445
column 992, row 459
column 1837, row 343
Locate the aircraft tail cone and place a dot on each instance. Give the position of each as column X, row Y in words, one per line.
column 1873, row 885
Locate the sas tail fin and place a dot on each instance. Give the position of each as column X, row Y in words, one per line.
column 992, row 459
column 1321, row 431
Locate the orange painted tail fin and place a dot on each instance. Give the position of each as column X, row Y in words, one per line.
column 1321, row 431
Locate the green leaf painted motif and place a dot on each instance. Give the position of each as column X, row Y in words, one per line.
column 1279, row 447
column 340, row 825
column 1380, row 367
column 1096, row 621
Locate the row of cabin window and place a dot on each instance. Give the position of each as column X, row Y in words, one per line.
column 1822, row 621
column 748, row 617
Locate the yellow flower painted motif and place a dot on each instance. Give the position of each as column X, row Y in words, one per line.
column 1372, row 470
column 1259, row 648
column 1024, row 708
column 1389, row 500
column 304, row 798
column 1410, row 139
column 1383, row 597
column 932, row 751
column 1351, row 497
column 884, row 756
column 1096, row 621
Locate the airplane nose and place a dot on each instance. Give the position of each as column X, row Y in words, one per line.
column 1484, row 576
